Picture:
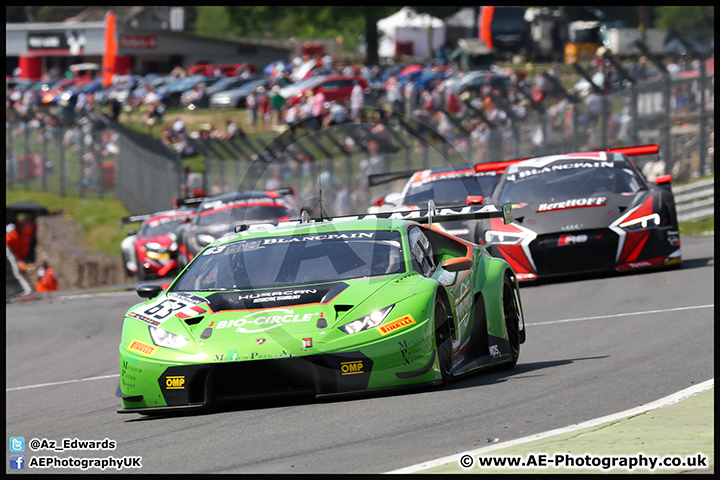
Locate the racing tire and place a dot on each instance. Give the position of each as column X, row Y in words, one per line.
column 511, row 314
column 443, row 342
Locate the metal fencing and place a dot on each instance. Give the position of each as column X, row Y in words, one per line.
column 93, row 155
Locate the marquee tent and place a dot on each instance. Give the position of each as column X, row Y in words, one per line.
column 407, row 25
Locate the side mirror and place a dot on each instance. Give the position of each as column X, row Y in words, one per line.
column 663, row 180
column 148, row 290
column 474, row 199
column 458, row 264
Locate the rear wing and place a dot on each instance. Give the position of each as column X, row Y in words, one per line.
column 134, row 218
column 426, row 215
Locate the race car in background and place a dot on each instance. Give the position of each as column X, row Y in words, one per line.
column 583, row 213
column 216, row 216
column 152, row 251
column 322, row 307
column 449, row 186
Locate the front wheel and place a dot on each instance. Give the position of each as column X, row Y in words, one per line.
column 443, row 341
column 511, row 313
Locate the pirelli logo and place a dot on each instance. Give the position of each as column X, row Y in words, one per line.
column 141, row 347
column 397, row 324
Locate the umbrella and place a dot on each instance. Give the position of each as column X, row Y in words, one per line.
column 410, row 69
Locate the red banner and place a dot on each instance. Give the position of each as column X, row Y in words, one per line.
column 111, row 48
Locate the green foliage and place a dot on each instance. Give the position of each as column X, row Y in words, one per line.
column 686, row 19
column 213, row 22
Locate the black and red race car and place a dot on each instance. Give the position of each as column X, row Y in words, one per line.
column 583, row 213
column 217, row 216
column 448, row 186
column 153, row 250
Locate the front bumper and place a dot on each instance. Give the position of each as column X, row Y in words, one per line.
column 150, row 386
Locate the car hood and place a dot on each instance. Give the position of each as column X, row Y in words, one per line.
column 275, row 322
column 583, row 213
column 165, row 239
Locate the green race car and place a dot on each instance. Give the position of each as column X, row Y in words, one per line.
column 322, row 308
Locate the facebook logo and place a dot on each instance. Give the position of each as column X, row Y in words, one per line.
column 17, row 462
column 17, row 444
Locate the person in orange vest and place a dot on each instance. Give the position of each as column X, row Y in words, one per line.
column 13, row 240
column 46, row 281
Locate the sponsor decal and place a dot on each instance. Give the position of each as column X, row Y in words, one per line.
column 310, row 238
column 143, row 318
column 577, row 226
column 673, row 240
column 557, row 167
column 396, row 324
column 141, row 347
column 232, row 355
column 351, row 368
column 265, row 320
column 573, row 203
column 494, row 351
column 307, row 342
column 564, row 240
column 260, row 341
column 413, row 350
column 175, row 382
column 276, row 296
column 188, row 297
column 463, row 303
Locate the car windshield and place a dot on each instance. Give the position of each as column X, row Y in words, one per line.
column 162, row 225
column 273, row 261
column 234, row 214
column 567, row 180
column 446, row 191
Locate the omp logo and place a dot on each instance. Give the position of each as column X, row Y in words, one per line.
column 141, row 347
column 571, row 239
column 395, row 325
column 175, row 383
column 351, row 368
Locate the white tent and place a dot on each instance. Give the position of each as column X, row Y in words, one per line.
column 407, row 25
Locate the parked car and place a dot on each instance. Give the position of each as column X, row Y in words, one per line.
column 172, row 92
column 337, row 88
column 236, row 98
column 189, row 97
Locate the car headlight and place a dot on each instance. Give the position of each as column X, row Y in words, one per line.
column 155, row 247
column 504, row 238
column 642, row 223
column 368, row 321
column 161, row 338
column 204, row 239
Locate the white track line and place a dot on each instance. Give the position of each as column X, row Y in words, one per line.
column 663, row 402
column 648, row 312
column 60, row 383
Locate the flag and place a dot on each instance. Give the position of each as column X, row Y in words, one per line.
column 111, row 47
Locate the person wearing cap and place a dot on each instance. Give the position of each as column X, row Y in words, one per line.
column 46, row 281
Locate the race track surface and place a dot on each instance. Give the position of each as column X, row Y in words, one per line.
column 594, row 347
